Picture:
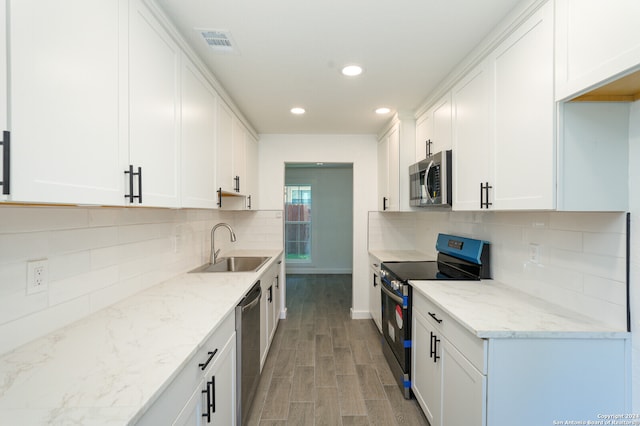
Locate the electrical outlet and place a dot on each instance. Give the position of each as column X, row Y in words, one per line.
column 534, row 253
column 37, row 276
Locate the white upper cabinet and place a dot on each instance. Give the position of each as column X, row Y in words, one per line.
column 504, row 144
column 224, row 143
column 252, row 163
column 388, row 170
column 3, row 99
column 523, row 118
column 472, row 145
column 434, row 129
column 239, row 136
column 154, row 102
column 64, row 101
column 595, row 41
column 198, row 141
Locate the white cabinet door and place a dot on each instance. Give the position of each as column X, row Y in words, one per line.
column 388, row 170
column 424, row 132
column 221, row 380
column 375, row 299
column 213, row 401
column 239, row 135
column 426, row 380
column 264, row 319
column 191, row 414
column 198, row 140
column 251, row 174
column 3, row 91
column 463, row 389
column 65, row 100
column 523, row 120
column 224, row 142
column 442, row 125
column 471, row 139
column 154, row 100
column 594, row 41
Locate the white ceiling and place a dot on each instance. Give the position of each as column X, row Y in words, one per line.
column 290, row 53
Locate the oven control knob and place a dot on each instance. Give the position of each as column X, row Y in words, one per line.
column 395, row 284
column 383, row 273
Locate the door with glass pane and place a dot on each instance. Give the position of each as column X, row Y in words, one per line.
column 298, row 223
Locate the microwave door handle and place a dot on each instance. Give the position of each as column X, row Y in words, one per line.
column 426, row 177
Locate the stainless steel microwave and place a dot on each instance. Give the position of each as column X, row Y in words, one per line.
column 430, row 181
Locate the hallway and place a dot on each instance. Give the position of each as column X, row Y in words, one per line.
column 324, row 368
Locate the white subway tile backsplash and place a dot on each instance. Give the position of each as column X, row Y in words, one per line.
column 582, row 255
column 99, row 256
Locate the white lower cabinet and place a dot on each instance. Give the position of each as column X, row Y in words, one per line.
column 375, row 292
column 270, row 306
column 213, row 401
column 204, row 391
column 460, row 379
column 426, row 372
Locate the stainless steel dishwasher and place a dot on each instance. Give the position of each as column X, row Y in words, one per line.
column 248, row 351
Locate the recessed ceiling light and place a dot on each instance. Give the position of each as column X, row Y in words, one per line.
column 383, row 110
column 352, row 70
column 297, row 111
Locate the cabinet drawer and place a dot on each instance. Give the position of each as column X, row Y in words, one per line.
column 171, row 401
column 472, row 347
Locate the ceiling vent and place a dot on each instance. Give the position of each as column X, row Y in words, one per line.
column 218, row 40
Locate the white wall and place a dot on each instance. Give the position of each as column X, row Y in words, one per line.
column 98, row 256
column 331, row 219
column 634, row 208
column 361, row 150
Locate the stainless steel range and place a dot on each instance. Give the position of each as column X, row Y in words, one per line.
column 458, row 259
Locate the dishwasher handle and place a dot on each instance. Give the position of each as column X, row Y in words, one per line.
column 251, row 299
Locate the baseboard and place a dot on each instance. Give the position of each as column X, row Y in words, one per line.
column 301, row 270
column 360, row 314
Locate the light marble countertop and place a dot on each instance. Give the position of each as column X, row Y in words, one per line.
column 108, row 368
column 489, row 309
column 399, row 255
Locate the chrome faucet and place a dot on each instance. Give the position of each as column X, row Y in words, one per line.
column 214, row 253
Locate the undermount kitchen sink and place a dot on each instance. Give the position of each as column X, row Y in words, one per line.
column 234, row 264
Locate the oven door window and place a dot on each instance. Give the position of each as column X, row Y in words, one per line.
column 395, row 326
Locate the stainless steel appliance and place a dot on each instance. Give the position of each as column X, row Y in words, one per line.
column 247, row 351
column 430, row 181
column 458, row 258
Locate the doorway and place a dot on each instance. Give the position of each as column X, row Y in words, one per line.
column 318, row 218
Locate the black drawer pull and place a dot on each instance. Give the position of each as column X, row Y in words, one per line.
column 6, row 162
column 432, row 315
column 203, row 366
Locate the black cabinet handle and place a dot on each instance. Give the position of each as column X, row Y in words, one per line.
column 277, row 281
column 237, row 183
column 270, row 298
column 431, row 353
column 485, row 204
column 384, row 203
column 131, row 174
column 427, row 144
column 219, row 191
column 203, row 366
column 436, row 357
column 210, row 391
column 6, row 162
column 207, row 414
column 433, row 315
column 249, row 206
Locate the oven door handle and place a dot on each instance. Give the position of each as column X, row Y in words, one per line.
column 393, row 296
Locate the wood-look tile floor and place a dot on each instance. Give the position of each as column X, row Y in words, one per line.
column 324, row 368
